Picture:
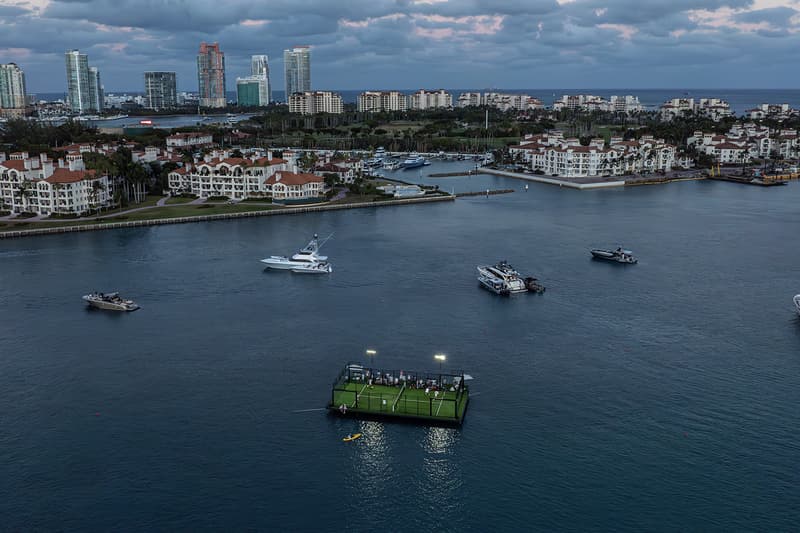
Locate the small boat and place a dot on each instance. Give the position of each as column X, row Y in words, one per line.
column 533, row 285
column 797, row 303
column 111, row 301
column 619, row 255
column 305, row 261
column 352, row 437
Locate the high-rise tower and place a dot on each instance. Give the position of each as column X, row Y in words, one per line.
column 211, row 76
column 297, row 67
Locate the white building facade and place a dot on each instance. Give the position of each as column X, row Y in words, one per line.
column 37, row 185
column 376, row 101
column 423, row 99
column 553, row 155
column 310, row 103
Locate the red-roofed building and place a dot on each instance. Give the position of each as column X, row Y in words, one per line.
column 234, row 177
column 35, row 185
column 294, row 188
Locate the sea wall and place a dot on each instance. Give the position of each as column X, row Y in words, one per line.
column 221, row 216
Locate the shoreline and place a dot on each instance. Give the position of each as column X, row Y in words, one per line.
column 13, row 234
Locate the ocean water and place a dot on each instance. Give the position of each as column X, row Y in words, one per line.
column 656, row 397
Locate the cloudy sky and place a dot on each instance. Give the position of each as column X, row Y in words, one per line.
column 409, row 44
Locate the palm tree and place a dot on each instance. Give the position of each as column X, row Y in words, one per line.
column 97, row 188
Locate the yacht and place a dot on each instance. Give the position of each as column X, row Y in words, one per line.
column 305, row 261
column 111, row 301
column 380, row 153
column 619, row 255
column 391, row 165
column 413, row 160
column 797, row 303
column 501, row 279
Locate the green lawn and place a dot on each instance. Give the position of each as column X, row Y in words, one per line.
column 172, row 200
column 172, row 211
column 399, row 401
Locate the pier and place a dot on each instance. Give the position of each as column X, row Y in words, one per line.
column 561, row 182
column 434, row 398
column 490, row 192
column 759, row 182
column 472, row 172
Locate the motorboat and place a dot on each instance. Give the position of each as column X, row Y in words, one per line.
column 111, row 301
column 352, row 437
column 306, row 261
column 619, row 255
column 501, row 279
column 413, row 160
column 797, row 303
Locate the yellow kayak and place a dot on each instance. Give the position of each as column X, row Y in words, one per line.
column 354, row 436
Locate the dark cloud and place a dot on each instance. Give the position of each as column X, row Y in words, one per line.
column 408, row 43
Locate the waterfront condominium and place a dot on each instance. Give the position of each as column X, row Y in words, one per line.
column 252, row 91
column 310, row 103
column 78, row 81
column 423, row 99
column 96, row 96
column 12, row 91
column 259, row 66
column 160, row 90
column 211, row 75
column 370, row 101
column 297, row 69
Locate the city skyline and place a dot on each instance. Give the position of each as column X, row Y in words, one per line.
column 561, row 43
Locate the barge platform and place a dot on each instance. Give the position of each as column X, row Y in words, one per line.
column 432, row 398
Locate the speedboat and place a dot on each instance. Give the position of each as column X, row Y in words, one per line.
column 352, row 437
column 619, row 255
column 501, row 279
column 305, row 261
column 413, row 161
column 797, row 303
column 111, row 301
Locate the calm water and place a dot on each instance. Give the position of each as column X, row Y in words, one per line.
column 662, row 396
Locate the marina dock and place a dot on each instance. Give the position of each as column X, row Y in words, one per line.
column 435, row 398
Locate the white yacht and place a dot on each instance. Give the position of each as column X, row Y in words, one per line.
column 111, row 301
column 305, row 261
column 797, row 303
column 413, row 160
column 501, row 279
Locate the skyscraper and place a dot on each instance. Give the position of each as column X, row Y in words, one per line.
column 160, row 90
column 211, row 76
column 77, row 81
column 297, row 67
column 259, row 67
column 12, row 90
column 96, row 96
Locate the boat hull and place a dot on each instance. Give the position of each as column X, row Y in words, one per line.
column 111, row 306
column 614, row 258
column 797, row 303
